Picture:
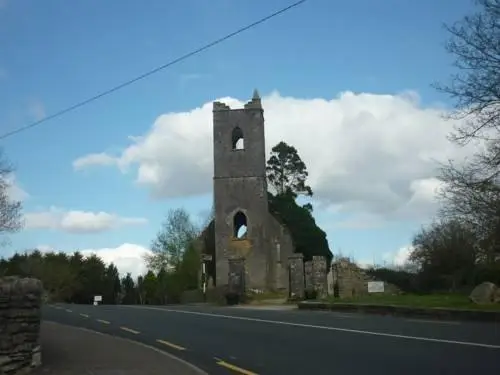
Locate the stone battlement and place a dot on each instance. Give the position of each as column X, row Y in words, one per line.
column 20, row 315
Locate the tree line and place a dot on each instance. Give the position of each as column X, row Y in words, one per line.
column 175, row 259
column 461, row 247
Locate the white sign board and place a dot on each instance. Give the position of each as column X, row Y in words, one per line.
column 375, row 287
column 97, row 298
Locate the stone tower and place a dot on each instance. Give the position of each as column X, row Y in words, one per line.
column 240, row 191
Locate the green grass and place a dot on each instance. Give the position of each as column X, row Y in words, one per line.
column 453, row 301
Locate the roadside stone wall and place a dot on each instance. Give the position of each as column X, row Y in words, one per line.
column 20, row 315
column 319, row 271
column 352, row 281
column 296, row 269
column 316, row 276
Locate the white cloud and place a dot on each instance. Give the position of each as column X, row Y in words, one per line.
column 78, row 221
column 366, row 153
column 45, row 248
column 93, row 159
column 127, row 257
column 359, row 221
column 400, row 257
column 14, row 191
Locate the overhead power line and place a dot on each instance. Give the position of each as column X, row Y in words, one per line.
column 151, row 72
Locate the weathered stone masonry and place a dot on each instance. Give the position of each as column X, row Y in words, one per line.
column 20, row 315
column 240, row 199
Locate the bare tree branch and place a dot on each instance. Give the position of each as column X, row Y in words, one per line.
column 10, row 210
column 475, row 44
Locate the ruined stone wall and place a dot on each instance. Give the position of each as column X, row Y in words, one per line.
column 20, row 314
column 280, row 245
column 352, row 281
column 316, row 276
column 296, row 269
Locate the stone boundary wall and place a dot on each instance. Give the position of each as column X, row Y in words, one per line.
column 20, row 315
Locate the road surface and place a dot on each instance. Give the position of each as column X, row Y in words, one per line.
column 225, row 340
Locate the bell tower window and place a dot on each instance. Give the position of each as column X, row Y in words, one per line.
column 239, row 225
column 237, row 139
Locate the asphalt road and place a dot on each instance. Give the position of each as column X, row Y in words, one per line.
column 225, row 340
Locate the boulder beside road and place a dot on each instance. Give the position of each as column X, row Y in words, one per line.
column 485, row 293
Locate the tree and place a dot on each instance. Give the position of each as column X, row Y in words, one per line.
column 10, row 210
column 471, row 191
column 174, row 237
column 71, row 278
column 286, row 172
column 128, row 290
column 446, row 254
column 190, row 267
column 149, row 288
column 141, row 293
column 476, row 86
column 474, row 201
column 112, row 287
column 93, row 278
column 162, row 286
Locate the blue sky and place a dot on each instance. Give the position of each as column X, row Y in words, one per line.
column 54, row 53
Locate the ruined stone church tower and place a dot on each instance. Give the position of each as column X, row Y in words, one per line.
column 240, row 200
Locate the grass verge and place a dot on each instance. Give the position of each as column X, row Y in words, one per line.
column 447, row 301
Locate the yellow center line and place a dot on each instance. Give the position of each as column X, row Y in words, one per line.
column 68, row 310
column 130, row 330
column 84, row 315
column 234, row 368
column 103, row 321
column 178, row 347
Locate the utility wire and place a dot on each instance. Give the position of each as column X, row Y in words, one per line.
column 151, row 72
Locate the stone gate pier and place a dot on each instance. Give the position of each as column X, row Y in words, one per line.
column 20, row 315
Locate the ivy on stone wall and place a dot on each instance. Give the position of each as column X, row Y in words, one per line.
column 308, row 238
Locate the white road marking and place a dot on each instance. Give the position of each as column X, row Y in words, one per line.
column 327, row 328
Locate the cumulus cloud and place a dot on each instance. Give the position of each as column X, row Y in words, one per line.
column 14, row 191
column 366, row 153
column 127, row 257
column 78, row 221
column 400, row 257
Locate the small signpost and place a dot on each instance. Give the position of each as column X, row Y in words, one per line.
column 97, row 299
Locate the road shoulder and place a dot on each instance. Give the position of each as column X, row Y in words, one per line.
column 70, row 350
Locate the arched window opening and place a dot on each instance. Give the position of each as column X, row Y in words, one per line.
column 240, row 225
column 237, row 139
